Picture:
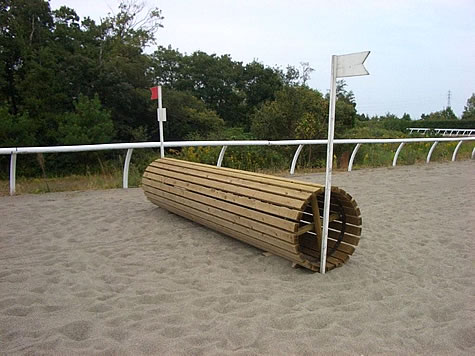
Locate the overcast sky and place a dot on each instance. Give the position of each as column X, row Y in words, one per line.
column 420, row 49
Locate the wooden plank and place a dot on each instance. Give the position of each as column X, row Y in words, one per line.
column 250, row 176
column 311, row 250
column 309, row 241
column 215, row 176
column 308, row 186
column 308, row 216
column 222, row 214
column 252, row 234
column 345, row 199
column 351, row 229
column 233, row 233
column 349, row 239
column 349, row 210
column 268, row 197
column 334, row 261
column 281, row 211
column 337, row 226
column 304, row 229
column 347, row 205
column 329, row 265
column 253, row 214
column 316, row 220
column 343, row 247
column 340, row 196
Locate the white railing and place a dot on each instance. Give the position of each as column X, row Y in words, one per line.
column 443, row 132
column 14, row 151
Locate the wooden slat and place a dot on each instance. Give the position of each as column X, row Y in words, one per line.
column 233, row 233
column 331, row 263
column 341, row 197
column 268, row 197
column 309, row 241
column 304, row 229
column 348, row 211
column 335, row 261
column 255, row 235
column 284, row 212
column 222, row 214
column 308, row 216
column 284, row 182
column 349, row 239
column 316, row 219
column 253, row 214
column 257, row 186
column 354, row 230
column 249, row 176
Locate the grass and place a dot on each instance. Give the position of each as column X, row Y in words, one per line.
column 70, row 183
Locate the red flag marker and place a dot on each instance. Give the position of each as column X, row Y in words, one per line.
column 154, row 92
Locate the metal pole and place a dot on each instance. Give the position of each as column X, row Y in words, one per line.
column 329, row 166
column 221, row 156
column 12, row 173
column 160, row 122
column 431, row 150
column 456, row 150
column 294, row 160
column 125, row 177
column 353, row 155
column 397, row 153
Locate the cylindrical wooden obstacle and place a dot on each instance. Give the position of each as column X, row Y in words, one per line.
column 278, row 215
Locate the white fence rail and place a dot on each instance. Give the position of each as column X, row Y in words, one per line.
column 443, row 132
column 15, row 151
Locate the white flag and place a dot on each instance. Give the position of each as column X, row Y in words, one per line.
column 351, row 65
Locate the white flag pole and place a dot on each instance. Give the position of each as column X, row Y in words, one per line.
column 329, row 166
column 160, row 121
column 348, row 65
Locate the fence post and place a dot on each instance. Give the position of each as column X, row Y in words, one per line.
column 221, row 156
column 125, row 177
column 397, row 153
column 456, row 150
column 353, row 155
column 12, row 173
column 294, row 160
column 431, row 150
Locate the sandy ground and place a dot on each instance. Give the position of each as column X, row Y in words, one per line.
column 107, row 272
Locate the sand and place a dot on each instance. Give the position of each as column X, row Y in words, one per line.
column 107, row 272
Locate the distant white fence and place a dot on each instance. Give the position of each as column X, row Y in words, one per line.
column 15, row 151
column 443, row 132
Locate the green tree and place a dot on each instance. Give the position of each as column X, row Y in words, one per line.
column 25, row 27
column 469, row 109
column 16, row 130
column 296, row 112
column 187, row 115
column 88, row 124
column 443, row 115
column 227, row 87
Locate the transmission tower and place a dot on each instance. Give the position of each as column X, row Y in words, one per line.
column 449, row 94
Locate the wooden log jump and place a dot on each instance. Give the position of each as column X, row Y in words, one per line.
column 277, row 215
